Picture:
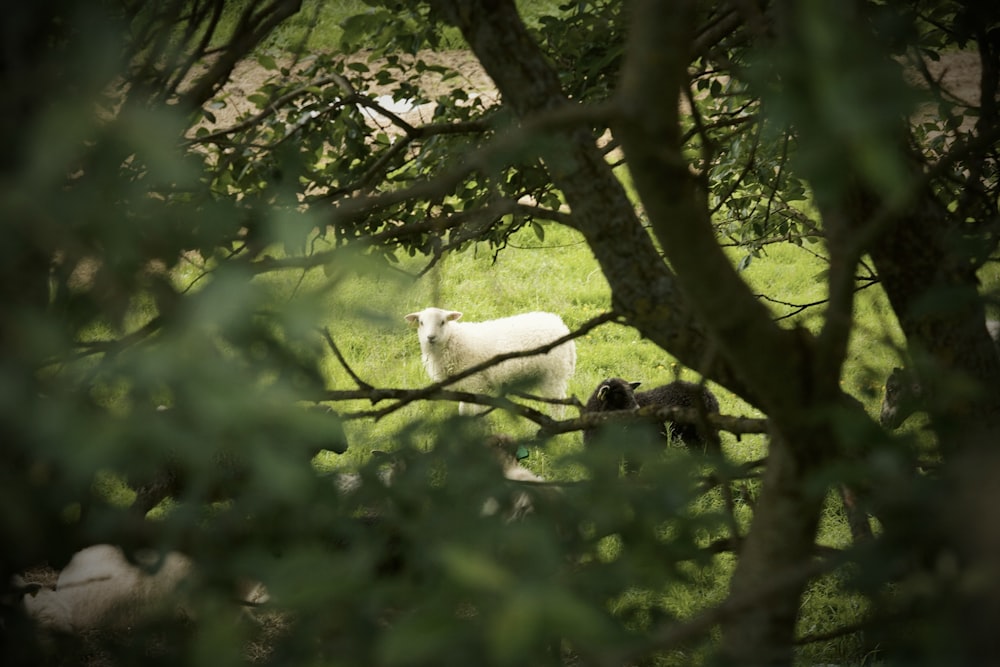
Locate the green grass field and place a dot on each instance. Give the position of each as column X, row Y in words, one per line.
column 320, row 25
column 363, row 305
column 559, row 274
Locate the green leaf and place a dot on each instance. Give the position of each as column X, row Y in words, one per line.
column 539, row 230
column 267, row 62
column 474, row 570
column 259, row 100
column 416, row 639
column 515, row 628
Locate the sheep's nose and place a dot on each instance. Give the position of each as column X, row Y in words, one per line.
column 432, row 338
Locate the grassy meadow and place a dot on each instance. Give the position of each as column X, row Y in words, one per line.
column 363, row 303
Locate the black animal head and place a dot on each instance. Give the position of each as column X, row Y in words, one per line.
column 903, row 397
column 613, row 394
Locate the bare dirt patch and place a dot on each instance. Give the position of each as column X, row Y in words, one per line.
column 249, row 76
column 957, row 71
column 959, row 74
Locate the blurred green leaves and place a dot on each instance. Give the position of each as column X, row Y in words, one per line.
column 158, row 256
column 830, row 78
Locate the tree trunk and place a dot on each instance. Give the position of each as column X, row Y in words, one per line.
column 794, row 378
column 934, row 292
column 747, row 351
column 781, row 540
column 644, row 290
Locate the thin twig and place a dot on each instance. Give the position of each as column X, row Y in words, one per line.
column 343, row 362
column 731, row 424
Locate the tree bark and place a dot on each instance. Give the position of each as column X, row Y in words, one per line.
column 745, row 351
column 795, row 378
column 933, row 289
column 926, row 256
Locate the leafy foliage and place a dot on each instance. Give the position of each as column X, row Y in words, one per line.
column 159, row 335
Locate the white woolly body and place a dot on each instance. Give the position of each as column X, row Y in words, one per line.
column 520, row 501
column 449, row 347
column 100, row 588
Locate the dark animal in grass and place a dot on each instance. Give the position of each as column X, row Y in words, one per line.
column 904, row 394
column 618, row 394
column 903, row 397
column 681, row 394
column 611, row 395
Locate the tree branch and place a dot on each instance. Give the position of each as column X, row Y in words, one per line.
column 252, row 27
column 343, row 362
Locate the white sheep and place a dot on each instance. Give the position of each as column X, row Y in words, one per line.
column 519, row 503
column 449, row 347
column 100, row 588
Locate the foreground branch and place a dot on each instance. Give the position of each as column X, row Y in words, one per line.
column 731, row 424
column 547, row 425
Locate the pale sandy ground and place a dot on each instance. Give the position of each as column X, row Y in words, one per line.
column 959, row 71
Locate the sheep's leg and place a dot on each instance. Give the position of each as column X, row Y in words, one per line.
column 857, row 517
column 554, row 391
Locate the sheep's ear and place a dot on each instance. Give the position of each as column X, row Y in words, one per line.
column 602, row 391
column 413, row 318
column 634, row 385
column 452, row 315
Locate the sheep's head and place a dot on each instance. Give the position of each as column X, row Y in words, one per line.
column 614, row 394
column 432, row 324
column 903, row 397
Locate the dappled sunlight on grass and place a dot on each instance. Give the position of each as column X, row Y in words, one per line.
column 361, row 303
